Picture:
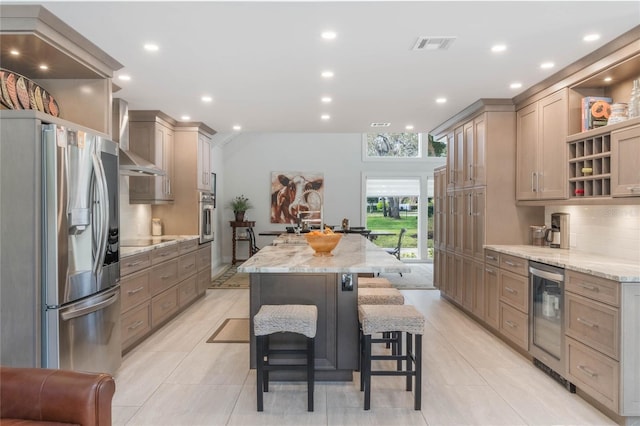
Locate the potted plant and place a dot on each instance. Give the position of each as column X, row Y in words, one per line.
column 240, row 205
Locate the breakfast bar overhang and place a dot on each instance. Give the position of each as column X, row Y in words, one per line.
column 289, row 273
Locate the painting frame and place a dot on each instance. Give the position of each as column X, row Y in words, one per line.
column 295, row 192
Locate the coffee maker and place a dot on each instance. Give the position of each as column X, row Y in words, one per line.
column 558, row 235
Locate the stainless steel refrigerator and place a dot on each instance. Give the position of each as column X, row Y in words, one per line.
column 80, row 251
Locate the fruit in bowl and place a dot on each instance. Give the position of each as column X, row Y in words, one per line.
column 323, row 242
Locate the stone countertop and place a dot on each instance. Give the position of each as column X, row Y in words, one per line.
column 353, row 254
column 157, row 242
column 611, row 268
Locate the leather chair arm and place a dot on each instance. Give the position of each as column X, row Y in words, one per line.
column 62, row 396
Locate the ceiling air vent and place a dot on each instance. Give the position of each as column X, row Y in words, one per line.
column 433, row 43
column 380, row 124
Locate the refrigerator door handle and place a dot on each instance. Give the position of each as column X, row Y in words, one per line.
column 85, row 310
column 103, row 222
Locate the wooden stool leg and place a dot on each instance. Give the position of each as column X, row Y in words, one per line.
column 418, row 361
column 366, row 371
column 259, row 371
column 310, row 371
column 408, row 360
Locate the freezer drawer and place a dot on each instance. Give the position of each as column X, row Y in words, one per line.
column 85, row 336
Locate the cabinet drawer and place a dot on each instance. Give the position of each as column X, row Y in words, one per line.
column 515, row 264
column 163, row 276
column 163, row 306
column 135, row 289
column 203, row 259
column 514, row 290
column 593, row 373
column 188, row 246
column 492, row 258
column 186, row 265
column 203, row 280
column 131, row 264
column 600, row 289
column 593, row 323
column 187, row 291
column 135, row 324
column 514, row 325
column 163, row 254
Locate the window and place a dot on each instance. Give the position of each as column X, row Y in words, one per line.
column 392, row 145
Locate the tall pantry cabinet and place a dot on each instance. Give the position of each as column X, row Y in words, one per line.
column 475, row 203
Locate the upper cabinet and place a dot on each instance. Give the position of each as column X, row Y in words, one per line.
column 204, row 178
column 541, row 138
column 151, row 136
column 80, row 81
column 625, row 153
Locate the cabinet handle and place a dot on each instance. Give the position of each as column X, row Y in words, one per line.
column 490, row 271
column 589, row 287
column 470, row 205
column 511, row 324
column 533, row 186
column 136, row 263
column 135, row 325
column 137, row 290
column 633, row 188
column 538, row 189
column 164, row 254
column 587, row 371
column 470, row 172
column 587, row 322
column 510, row 290
column 512, row 264
column 491, row 257
column 189, row 266
column 164, row 277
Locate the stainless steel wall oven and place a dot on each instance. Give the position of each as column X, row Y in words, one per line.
column 207, row 204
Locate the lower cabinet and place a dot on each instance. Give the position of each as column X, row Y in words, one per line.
column 160, row 283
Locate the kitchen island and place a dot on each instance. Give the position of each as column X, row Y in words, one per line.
column 289, row 273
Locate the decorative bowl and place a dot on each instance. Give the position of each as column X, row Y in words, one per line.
column 322, row 243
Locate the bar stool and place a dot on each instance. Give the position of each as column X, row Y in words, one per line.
column 392, row 318
column 270, row 319
column 371, row 282
column 383, row 296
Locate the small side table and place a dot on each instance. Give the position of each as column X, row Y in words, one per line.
column 234, row 225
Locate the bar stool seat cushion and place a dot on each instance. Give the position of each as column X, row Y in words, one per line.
column 387, row 318
column 301, row 319
column 380, row 296
column 373, row 282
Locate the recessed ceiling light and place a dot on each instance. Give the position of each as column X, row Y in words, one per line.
column 328, row 35
column 515, row 85
column 608, row 79
column 547, row 65
column 14, row 52
column 44, row 67
column 185, row 118
column 151, row 47
column 326, row 99
column 591, row 37
column 207, row 99
column 237, row 127
column 327, row 74
column 441, row 100
column 499, row 48
column 124, row 77
column 325, row 116
column 409, row 127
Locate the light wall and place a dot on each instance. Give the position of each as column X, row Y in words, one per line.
column 612, row 231
column 250, row 158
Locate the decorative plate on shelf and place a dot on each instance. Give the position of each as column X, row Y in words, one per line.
column 18, row 92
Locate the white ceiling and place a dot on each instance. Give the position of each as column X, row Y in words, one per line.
column 261, row 61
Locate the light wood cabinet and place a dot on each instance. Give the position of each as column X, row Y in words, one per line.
column 491, row 297
column 158, row 284
column 625, row 156
column 541, row 155
column 151, row 137
column 192, row 157
column 204, row 163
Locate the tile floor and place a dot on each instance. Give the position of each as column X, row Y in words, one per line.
column 470, row 378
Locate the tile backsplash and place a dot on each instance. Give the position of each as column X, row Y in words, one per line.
column 135, row 219
column 613, row 231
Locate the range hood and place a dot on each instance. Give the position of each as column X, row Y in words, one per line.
column 131, row 164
